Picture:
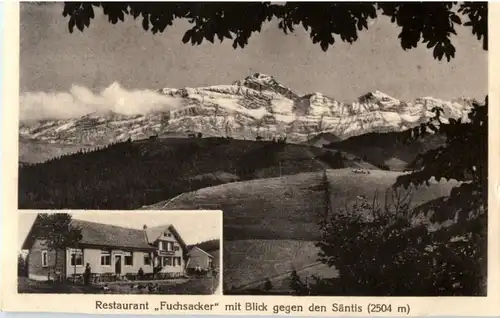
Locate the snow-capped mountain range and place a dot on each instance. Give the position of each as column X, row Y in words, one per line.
column 257, row 106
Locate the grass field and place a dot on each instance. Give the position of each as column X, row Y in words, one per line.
column 288, row 207
column 260, row 259
column 199, row 286
column 195, row 286
column 26, row 285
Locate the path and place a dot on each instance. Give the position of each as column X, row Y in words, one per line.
column 162, row 204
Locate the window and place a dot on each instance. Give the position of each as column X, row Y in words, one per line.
column 210, row 263
column 147, row 259
column 76, row 256
column 129, row 259
column 167, row 261
column 161, row 246
column 45, row 261
column 105, row 258
column 165, row 246
column 177, row 261
column 176, row 248
column 167, row 234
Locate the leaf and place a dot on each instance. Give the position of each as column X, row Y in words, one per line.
column 145, row 24
column 430, row 24
column 455, row 18
column 220, row 36
column 324, row 45
column 227, row 34
column 187, row 36
column 71, row 24
column 432, row 127
column 210, row 37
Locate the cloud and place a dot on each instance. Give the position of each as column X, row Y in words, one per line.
column 80, row 101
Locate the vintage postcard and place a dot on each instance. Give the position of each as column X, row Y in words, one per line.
column 305, row 158
column 175, row 252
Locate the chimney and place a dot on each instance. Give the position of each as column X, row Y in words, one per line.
column 144, row 227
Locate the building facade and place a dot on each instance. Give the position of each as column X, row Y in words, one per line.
column 199, row 261
column 110, row 250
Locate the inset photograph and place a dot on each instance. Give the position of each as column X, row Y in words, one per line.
column 174, row 252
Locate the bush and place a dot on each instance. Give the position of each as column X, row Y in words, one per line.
column 384, row 255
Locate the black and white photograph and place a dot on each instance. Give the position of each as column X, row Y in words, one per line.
column 175, row 253
column 346, row 143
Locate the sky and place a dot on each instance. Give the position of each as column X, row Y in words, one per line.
column 193, row 226
column 57, row 67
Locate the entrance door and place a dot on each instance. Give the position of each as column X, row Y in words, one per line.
column 118, row 264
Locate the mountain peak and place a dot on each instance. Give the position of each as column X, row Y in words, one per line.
column 261, row 76
column 257, row 78
column 378, row 97
column 264, row 82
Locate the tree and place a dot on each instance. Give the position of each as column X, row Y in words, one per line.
column 415, row 262
column 296, row 284
column 268, row 285
column 430, row 23
column 21, row 266
column 464, row 158
column 57, row 232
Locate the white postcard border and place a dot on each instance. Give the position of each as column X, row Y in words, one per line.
column 419, row 306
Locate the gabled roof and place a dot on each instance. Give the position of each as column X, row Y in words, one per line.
column 154, row 233
column 111, row 235
column 209, row 255
column 104, row 235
